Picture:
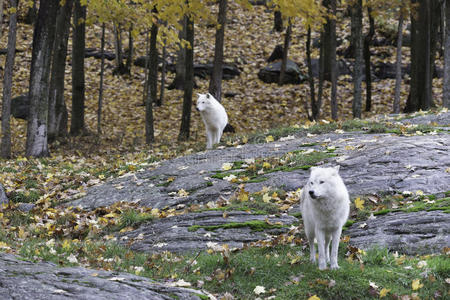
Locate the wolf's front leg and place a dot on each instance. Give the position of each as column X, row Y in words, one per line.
column 209, row 139
column 218, row 135
column 334, row 249
column 320, row 236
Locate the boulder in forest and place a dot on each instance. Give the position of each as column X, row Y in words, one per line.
column 200, row 70
column 93, row 52
column 20, row 107
column 271, row 73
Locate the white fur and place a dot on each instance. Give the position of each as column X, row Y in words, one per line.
column 325, row 207
column 214, row 116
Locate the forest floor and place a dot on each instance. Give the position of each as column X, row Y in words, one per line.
column 256, row 107
column 260, row 112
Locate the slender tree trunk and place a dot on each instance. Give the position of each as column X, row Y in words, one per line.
column 314, row 108
column 57, row 110
column 153, row 85
column 326, row 41
column 78, row 83
column 321, row 75
column 398, row 64
column 180, row 67
column 215, row 85
column 130, row 50
column 43, row 39
column 333, row 67
column 147, row 59
column 120, row 67
column 7, row 82
column 149, row 129
column 367, row 41
column 446, row 96
column 163, row 75
column 1, row 17
column 189, row 82
column 277, row 21
column 357, row 69
column 102, row 72
column 287, row 39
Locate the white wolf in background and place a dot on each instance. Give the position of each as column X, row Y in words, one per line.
column 215, row 118
column 325, row 207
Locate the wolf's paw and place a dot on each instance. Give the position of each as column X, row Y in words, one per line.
column 322, row 266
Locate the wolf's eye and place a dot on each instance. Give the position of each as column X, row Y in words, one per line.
column 311, row 183
column 321, row 182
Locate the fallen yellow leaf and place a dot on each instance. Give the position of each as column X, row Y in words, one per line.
column 359, row 203
column 416, row 284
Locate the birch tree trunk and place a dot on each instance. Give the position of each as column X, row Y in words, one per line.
column 7, row 82
column 43, row 39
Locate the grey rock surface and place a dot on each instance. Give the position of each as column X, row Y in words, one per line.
column 173, row 234
column 370, row 163
column 410, row 233
column 35, row 281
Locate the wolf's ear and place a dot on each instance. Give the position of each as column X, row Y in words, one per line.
column 312, row 169
column 337, row 168
column 198, row 94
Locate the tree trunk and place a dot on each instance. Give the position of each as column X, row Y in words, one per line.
column 152, row 85
column 314, row 107
column 367, row 41
column 163, row 76
column 357, row 69
column 100, row 92
column 327, row 40
column 43, row 39
column 321, row 74
column 1, row 17
column 398, row 64
column 7, row 82
column 421, row 73
column 287, row 39
column 446, row 93
column 57, row 110
column 120, row 67
column 78, row 83
column 189, row 82
column 333, row 65
column 30, row 17
column 215, row 85
column 277, row 21
column 180, row 67
column 130, row 50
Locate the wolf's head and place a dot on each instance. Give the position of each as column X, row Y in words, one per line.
column 204, row 101
column 322, row 182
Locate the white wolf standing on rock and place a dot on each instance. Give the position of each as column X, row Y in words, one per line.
column 325, row 207
column 215, row 118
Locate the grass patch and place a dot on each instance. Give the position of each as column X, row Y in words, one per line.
column 255, row 225
column 131, row 218
column 30, row 196
column 254, row 172
column 399, row 203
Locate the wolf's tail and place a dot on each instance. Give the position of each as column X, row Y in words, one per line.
column 229, row 128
